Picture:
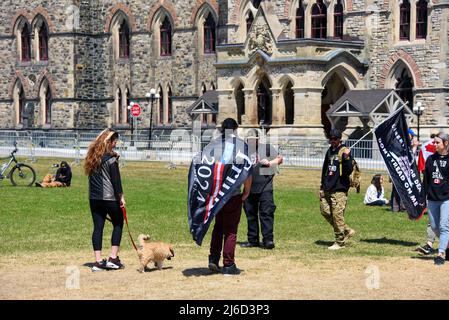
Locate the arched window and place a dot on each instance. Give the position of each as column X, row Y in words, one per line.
column 299, row 21
column 161, row 106
column 124, row 40
column 319, row 20
column 169, row 106
column 404, row 21
column 209, row 34
column 166, row 38
column 404, row 88
column 264, row 104
column 21, row 106
column 129, row 116
column 43, row 43
column 240, row 102
column 421, row 19
column 119, row 106
column 48, row 106
column 289, row 104
column 338, row 20
column 45, row 102
column 203, row 88
column 249, row 21
column 25, row 44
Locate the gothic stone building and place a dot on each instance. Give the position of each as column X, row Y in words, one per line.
column 80, row 63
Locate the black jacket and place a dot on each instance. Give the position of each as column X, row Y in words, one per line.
column 64, row 174
column 436, row 175
column 105, row 183
column 330, row 175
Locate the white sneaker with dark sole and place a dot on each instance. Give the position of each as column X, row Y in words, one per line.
column 335, row 246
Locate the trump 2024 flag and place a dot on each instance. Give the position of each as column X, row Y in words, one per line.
column 215, row 175
column 394, row 146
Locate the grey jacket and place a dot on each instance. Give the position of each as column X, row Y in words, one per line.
column 105, row 183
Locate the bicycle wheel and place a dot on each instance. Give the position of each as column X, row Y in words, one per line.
column 22, row 175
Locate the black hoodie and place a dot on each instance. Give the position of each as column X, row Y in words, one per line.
column 330, row 175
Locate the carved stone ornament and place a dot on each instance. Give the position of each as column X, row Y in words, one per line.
column 260, row 39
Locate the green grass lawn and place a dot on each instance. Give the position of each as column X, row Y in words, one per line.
column 43, row 220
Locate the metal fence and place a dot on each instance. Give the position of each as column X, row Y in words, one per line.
column 297, row 151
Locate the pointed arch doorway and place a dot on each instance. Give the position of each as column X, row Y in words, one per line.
column 264, row 102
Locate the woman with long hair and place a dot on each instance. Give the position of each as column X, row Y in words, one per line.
column 105, row 196
column 436, row 186
column 375, row 195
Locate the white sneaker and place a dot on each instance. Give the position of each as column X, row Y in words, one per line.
column 335, row 246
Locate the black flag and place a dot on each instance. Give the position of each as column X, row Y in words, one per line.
column 215, row 175
column 394, row 146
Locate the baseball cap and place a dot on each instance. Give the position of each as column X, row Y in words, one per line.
column 335, row 133
column 411, row 132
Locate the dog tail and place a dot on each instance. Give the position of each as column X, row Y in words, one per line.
column 141, row 239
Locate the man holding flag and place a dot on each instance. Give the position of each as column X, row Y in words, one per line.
column 215, row 178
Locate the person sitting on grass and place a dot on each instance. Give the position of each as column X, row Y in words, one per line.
column 375, row 195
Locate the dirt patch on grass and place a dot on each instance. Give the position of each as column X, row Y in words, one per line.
column 273, row 276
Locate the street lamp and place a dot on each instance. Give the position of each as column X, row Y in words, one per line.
column 151, row 96
column 418, row 109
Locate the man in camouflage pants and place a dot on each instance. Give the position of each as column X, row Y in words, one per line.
column 334, row 188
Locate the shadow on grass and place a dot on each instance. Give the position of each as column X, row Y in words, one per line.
column 156, row 269
column 423, row 257
column 324, row 243
column 385, row 240
column 198, row 272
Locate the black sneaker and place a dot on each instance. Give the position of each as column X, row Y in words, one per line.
column 213, row 264
column 268, row 245
column 99, row 266
column 439, row 261
column 250, row 244
column 231, row 270
column 114, row 263
column 425, row 249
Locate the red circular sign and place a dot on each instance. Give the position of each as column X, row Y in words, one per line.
column 136, row 110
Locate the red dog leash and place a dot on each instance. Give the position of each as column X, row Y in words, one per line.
column 127, row 226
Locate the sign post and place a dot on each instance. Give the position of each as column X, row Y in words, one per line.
column 136, row 110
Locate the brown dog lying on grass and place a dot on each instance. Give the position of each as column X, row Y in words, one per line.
column 49, row 182
column 156, row 252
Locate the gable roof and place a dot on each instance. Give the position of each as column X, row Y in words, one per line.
column 360, row 101
column 207, row 103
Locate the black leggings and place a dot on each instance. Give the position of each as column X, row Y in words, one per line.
column 99, row 210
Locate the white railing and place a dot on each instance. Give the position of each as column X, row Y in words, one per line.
column 297, row 152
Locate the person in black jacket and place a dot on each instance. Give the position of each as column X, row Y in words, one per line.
column 260, row 204
column 105, row 196
column 64, row 174
column 436, row 186
column 335, row 183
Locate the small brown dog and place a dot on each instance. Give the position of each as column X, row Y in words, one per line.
column 49, row 182
column 153, row 251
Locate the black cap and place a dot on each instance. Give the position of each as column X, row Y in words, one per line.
column 335, row 133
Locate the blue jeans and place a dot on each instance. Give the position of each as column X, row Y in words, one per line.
column 439, row 221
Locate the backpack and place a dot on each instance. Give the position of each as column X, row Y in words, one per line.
column 356, row 175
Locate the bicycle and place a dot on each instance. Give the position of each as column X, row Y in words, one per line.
column 21, row 174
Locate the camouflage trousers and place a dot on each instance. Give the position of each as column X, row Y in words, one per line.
column 332, row 207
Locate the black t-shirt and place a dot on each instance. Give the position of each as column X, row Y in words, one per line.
column 330, row 174
column 263, row 176
column 436, row 175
